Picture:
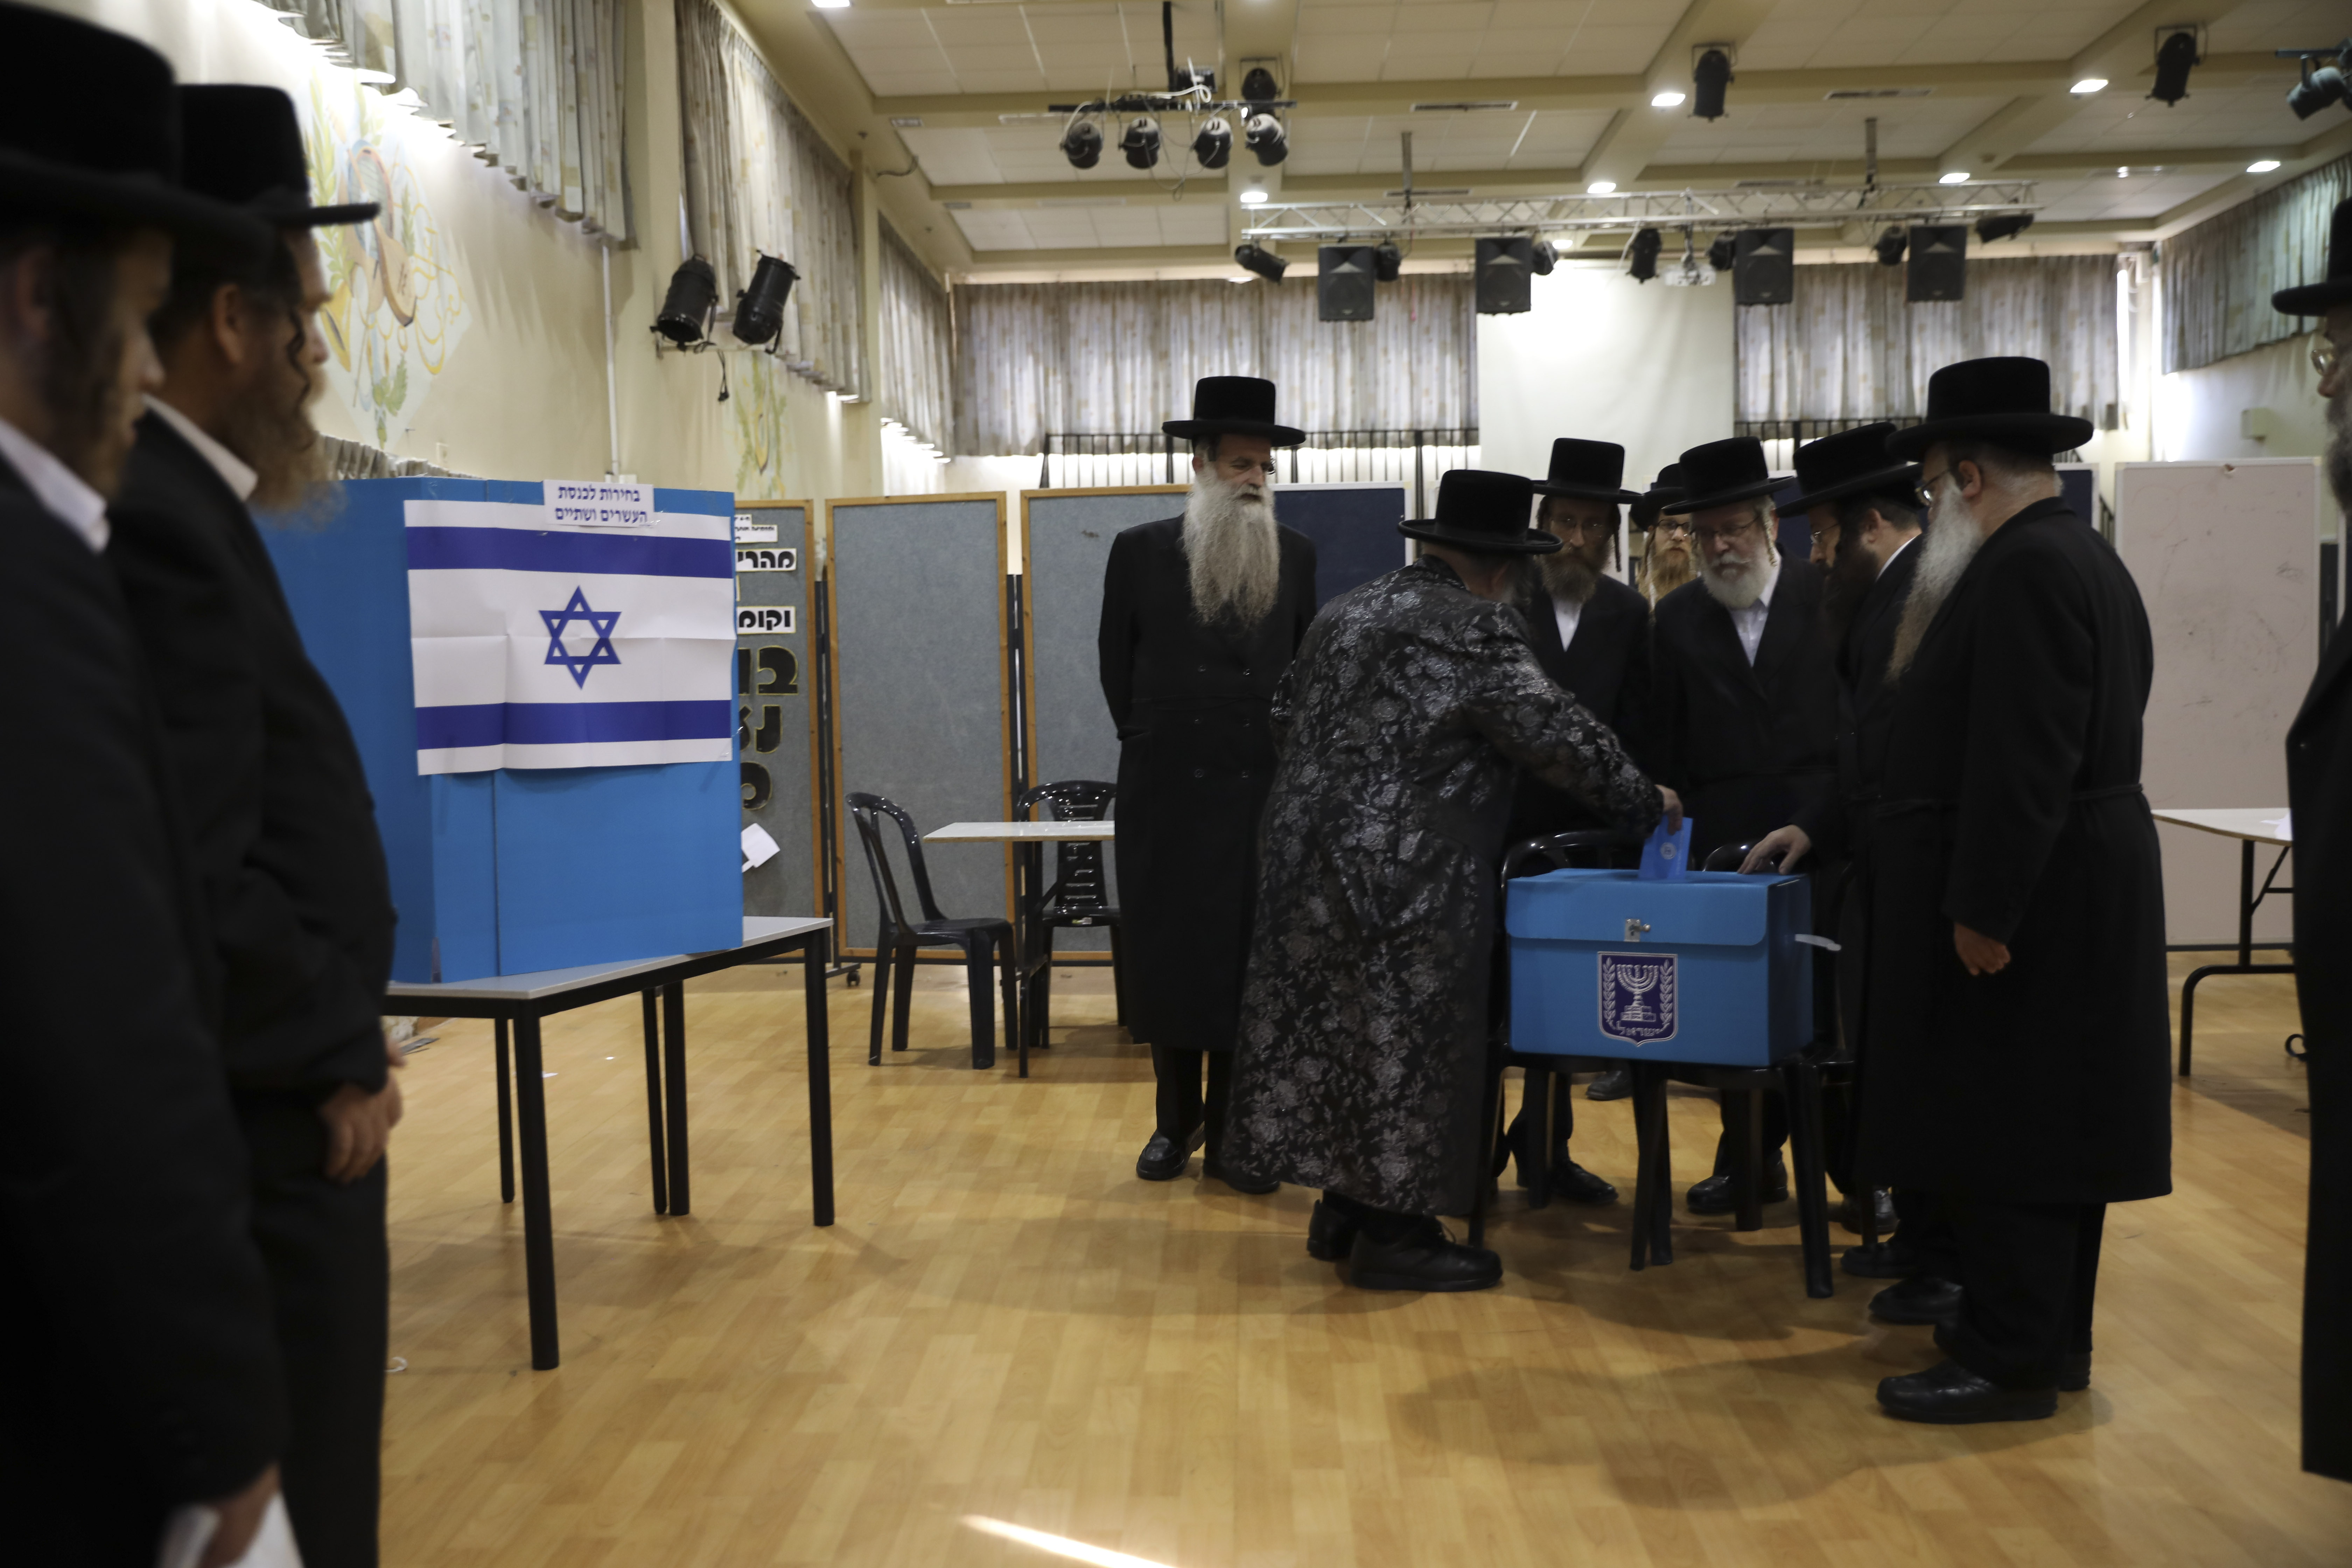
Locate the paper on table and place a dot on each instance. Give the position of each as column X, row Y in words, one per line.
column 2285, row 825
column 190, row 1530
column 759, row 848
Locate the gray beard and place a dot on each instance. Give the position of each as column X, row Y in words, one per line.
column 1230, row 553
column 1568, row 575
column 1951, row 543
column 1735, row 587
column 2339, row 445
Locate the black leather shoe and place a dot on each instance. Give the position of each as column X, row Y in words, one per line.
column 1614, row 1084
column 1164, row 1159
column 1330, row 1235
column 1950, row 1395
column 1716, row 1196
column 1884, row 1260
column 1256, row 1186
column 1578, row 1185
column 2075, row 1376
column 1922, row 1299
column 1882, row 1200
column 1426, row 1259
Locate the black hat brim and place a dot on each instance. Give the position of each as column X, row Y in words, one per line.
column 1689, row 504
column 2314, row 299
column 1586, row 492
column 302, row 215
column 1894, row 481
column 1203, row 429
column 142, row 201
column 2048, row 434
column 1536, row 541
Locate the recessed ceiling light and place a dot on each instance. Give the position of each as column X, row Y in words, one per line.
column 2124, row 172
column 2089, row 85
column 1601, row 188
column 830, row 4
column 2262, row 165
column 1252, row 198
column 1957, row 177
column 1669, row 98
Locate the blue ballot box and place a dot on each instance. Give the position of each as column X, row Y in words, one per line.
column 1707, row 969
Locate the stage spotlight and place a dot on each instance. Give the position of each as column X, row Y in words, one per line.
column 1082, row 144
column 1546, row 258
column 1387, row 261
column 1641, row 255
column 760, row 309
column 1501, row 279
column 693, row 289
column 1265, row 263
column 1215, row 145
column 1709, row 76
column 1891, row 247
column 1723, row 252
column 1267, row 139
column 1259, row 85
column 1141, row 142
column 2002, row 226
column 2318, row 88
column 2173, row 58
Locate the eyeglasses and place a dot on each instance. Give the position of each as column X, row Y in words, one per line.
column 1927, row 483
column 2326, row 357
column 1724, row 535
column 1821, row 533
column 1574, row 528
column 1672, row 525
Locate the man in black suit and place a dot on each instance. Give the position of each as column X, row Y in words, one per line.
column 277, row 808
column 2319, row 789
column 1744, row 713
column 145, row 1387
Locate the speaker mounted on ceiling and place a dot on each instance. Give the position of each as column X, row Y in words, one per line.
column 1764, row 267
column 1505, row 277
column 1344, row 275
column 1938, row 263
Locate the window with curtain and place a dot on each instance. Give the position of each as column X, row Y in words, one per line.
column 759, row 181
column 2219, row 277
column 535, row 85
column 1117, row 359
column 1847, row 348
column 917, row 345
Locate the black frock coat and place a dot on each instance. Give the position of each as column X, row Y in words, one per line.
column 1606, row 668
column 1839, row 822
column 1195, row 760
column 145, row 1375
column 2319, row 786
column 2012, row 806
column 1749, row 748
column 293, row 880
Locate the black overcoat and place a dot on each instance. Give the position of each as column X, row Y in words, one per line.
column 1364, row 1025
column 292, row 873
column 145, row 1375
column 1749, row 748
column 2012, row 806
column 2319, row 786
column 1605, row 667
column 1195, row 760
column 1838, row 821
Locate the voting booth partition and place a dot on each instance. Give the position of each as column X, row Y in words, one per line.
column 776, row 726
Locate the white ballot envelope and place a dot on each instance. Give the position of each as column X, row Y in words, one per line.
column 190, row 1530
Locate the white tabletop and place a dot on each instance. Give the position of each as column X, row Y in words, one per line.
column 539, row 983
column 2263, row 823
column 1022, row 833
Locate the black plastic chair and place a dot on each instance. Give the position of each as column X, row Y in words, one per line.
column 979, row 937
column 1079, row 895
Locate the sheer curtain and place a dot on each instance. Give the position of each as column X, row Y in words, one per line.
column 1848, row 348
column 1117, row 359
column 2219, row 276
column 533, row 85
column 917, row 337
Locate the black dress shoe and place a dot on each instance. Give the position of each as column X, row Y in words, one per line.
column 1950, row 1395
column 1330, row 1235
column 1426, row 1258
column 2074, row 1373
column 1614, row 1084
column 1578, row 1185
column 1256, row 1186
column 1164, row 1159
column 1717, row 1196
column 1882, row 1200
column 1884, row 1260
column 1922, row 1299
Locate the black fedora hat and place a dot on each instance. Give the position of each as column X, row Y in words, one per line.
column 243, row 146
column 2336, row 289
column 2004, row 400
column 1484, row 512
column 1234, row 405
column 92, row 129
column 1852, row 463
column 1721, row 472
column 1594, row 470
column 1664, row 492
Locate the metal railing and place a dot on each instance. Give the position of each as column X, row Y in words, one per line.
column 1412, row 457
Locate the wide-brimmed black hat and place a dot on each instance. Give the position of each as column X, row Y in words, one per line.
column 1484, row 512
column 1664, row 492
column 89, row 128
column 1852, row 463
column 243, row 146
column 2336, row 289
column 1721, row 472
column 1594, row 470
column 2004, row 400
column 1234, row 405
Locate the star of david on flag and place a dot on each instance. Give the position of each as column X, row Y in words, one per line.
column 599, row 622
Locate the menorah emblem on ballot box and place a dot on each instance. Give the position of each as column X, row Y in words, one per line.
column 1637, row 996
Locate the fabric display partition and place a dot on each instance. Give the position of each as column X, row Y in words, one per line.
column 775, row 706
column 922, row 710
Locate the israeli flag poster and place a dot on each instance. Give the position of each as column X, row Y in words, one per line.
column 587, row 630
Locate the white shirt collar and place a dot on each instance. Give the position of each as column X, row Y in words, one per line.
column 56, row 486
column 1898, row 549
column 233, row 470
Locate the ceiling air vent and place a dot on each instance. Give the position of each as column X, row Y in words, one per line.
column 1837, row 92
column 1467, row 106
column 907, row 121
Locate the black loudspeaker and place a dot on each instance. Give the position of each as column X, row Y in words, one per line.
column 1506, row 267
column 1764, row 267
column 1343, row 282
column 1939, row 263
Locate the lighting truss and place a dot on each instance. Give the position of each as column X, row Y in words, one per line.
column 1803, row 206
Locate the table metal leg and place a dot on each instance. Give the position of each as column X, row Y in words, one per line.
column 654, row 1105
column 820, row 1079
column 505, row 1115
column 537, row 1217
column 674, row 1097
column 2247, row 900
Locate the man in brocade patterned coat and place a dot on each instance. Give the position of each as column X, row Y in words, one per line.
column 1361, row 1067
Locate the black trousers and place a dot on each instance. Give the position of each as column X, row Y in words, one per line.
column 1377, row 1225
column 1180, row 1105
column 2030, row 1277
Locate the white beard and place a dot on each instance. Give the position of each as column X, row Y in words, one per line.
column 1952, row 541
column 1735, row 582
column 1230, row 549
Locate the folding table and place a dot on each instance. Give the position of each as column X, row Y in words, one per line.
column 2250, row 825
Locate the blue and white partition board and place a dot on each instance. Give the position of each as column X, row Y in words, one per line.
column 504, row 869
column 921, row 708
column 775, row 682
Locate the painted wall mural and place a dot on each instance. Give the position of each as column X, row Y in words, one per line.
column 757, row 432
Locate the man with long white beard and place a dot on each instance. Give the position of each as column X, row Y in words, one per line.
column 1744, row 717
column 2017, row 904
column 2319, row 790
column 1200, row 615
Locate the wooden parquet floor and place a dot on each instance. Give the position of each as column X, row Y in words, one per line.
column 1006, row 1324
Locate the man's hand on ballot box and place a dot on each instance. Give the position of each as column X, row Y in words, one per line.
column 1672, row 805
column 1978, row 953
column 1785, row 845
